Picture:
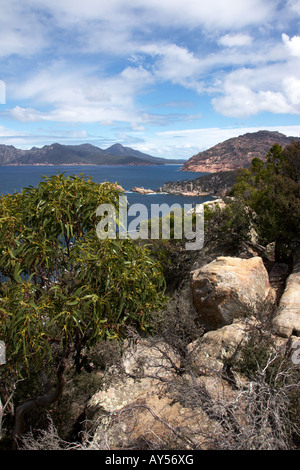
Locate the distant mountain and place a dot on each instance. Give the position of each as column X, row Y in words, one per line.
column 237, row 152
column 83, row 154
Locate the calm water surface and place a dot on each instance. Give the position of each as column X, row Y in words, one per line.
column 15, row 178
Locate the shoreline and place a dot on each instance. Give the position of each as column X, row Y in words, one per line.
column 89, row 164
column 179, row 193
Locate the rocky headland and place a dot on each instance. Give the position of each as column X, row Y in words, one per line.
column 216, row 184
column 236, row 152
column 221, row 164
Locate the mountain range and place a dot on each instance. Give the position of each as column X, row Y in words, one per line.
column 236, row 152
column 231, row 154
column 83, row 154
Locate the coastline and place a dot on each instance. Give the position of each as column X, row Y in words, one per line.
column 88, row 164
column 210, row 184
column 176, row 192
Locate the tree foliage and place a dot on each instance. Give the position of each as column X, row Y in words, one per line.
column 62, row 288
column 230, row 225
column 271, row 188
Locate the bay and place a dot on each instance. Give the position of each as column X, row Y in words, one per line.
column 16, row 178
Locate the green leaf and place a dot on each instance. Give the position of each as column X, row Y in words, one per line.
column 17, row 273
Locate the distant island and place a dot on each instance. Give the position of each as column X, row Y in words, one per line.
column 83, row 154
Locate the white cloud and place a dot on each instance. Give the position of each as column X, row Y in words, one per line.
column 238, row 101
column 204, row 138
column 2, row 92
column 294, row 5
column 6, row 132
column 175, row 64
column 118, row 26
column 292, row 90
column 213, row 14
column 217, row 13
column 44, row 136
column 235, row 40
column 80, row 96
column 21, row 31
column 293, row 44
column 241, row 101
column 246, row 74
column 267, row 85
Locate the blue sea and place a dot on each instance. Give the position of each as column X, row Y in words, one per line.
column 16, row 178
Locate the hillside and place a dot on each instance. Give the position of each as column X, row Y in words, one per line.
column 84, row 154
column 236, row 152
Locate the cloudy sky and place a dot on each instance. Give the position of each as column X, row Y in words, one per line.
column 167, row 77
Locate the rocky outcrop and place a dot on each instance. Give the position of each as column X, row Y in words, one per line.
column 136, row 404
column 148, row 415
column 237, row 152
column 142, row 190
column 216, row 184
column 230, row 288
column 153, row 399
column 210, row 352
column 287, row 320
column 145, row 362
column 150, row 359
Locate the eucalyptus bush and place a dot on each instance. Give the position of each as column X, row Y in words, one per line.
column 62, row 289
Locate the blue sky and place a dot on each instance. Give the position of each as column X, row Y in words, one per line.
column 166, row 77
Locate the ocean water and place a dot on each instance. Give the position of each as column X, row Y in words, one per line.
column 15, row 178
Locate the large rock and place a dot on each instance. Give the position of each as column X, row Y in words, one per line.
column 150, row 358
column 210, row 352
column 287, row 320
column 142, row 190
column 120, row 393
column 230, row 288
column 144, row 363
column 148, row 414
column 134, row 405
